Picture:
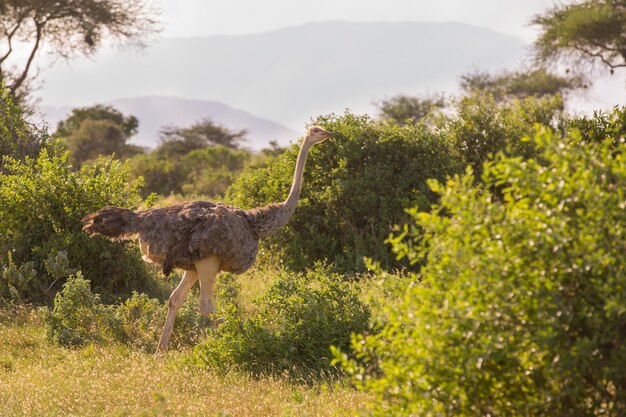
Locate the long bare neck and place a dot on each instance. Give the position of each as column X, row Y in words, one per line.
column 296, row 186
column 267, row 220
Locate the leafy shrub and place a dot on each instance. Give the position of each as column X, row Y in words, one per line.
column 160, row 176
column 480, row 126
column 78, row 316
column 290, row 328
column 143, row 318
column 207, row 171
column 212, row 170
column 522, row 310
column 18, row 139
column 601, row 125
column 16, row 280
column 356, row 188
column 42, row 202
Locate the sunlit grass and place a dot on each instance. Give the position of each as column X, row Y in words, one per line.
column 41, row 379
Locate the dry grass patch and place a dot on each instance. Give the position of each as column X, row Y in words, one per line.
column 37, row 378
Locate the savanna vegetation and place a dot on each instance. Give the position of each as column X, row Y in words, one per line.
column 449, row 256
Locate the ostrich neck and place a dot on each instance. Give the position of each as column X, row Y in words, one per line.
column 267, row 220
column 296, row 186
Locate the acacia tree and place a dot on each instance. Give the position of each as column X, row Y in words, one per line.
column 519, row 84
column 407, row 109
column 586, row 30
column 179, row 141
column 68, row 28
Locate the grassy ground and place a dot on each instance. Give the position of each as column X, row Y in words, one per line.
column 41, row 379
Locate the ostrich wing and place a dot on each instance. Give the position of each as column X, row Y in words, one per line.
column 188, row 232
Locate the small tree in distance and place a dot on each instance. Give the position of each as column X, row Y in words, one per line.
column 179, row 141
column 520, row 84
column 403, row 109
column 128, row 124
column 98, row 130
column 201, row 159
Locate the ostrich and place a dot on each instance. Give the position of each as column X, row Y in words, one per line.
column 201, row 237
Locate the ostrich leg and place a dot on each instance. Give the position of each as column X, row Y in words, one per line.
column 176, row 300
column 207, row 271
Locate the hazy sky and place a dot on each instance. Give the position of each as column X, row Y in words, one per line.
column 194, row 18
column 184, row 18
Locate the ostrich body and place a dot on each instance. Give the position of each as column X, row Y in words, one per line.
column 201, row 237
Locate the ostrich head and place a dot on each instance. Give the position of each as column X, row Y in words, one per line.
column 316, row 134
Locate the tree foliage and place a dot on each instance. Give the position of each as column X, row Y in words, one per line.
column 127, row 124
column 601, row 126
column 406, row 109
column 67, row 27
column 42, row 202
column 521, row 306
column 207, row 171
column 179, row 141
column 90, row 132
column 519, row 84
column 18, row 139
column 479, row 126
column 96, row 138
column 590, row 30
column 201, row 159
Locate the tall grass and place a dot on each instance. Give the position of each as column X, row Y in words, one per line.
column 41, row 379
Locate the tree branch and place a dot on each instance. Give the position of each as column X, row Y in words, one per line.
column 9, row 41
column 599, row 56
column 20, row 80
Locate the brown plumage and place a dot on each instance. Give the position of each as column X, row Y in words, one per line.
column 201, row 237
column 177, row 235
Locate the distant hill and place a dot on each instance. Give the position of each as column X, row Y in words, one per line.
column 155, row 112
column 292, row 74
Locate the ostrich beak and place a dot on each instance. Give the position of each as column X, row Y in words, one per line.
column 331, row 134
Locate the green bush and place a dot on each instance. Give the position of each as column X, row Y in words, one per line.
column 18, row 138
column 207, row 171
column 42, row 202
column 78, row 316
column 601, row 125
column 522, row 310
column 356, row 188
column 290, row 328
column 15, row 281
column 159, row 176
column 143, row 318
column 212, row 170
column 480, row 126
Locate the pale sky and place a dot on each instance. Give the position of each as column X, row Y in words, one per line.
column 199, row 18
column 188, row 18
